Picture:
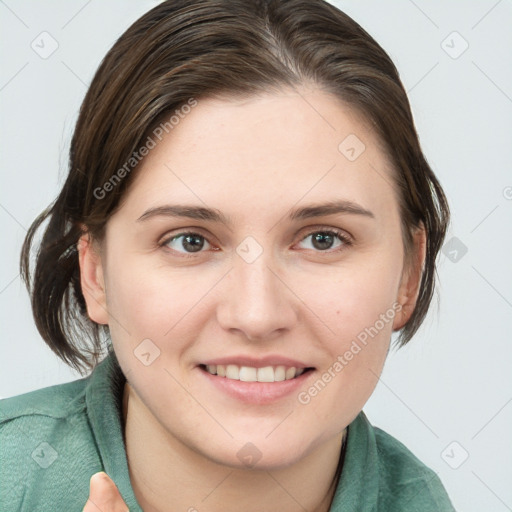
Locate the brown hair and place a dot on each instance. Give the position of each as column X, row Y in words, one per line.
column 185, row 49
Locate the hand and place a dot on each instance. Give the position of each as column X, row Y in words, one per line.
column 104, row 496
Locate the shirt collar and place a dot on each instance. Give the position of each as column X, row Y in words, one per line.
column 358, row 488
column 103, row 396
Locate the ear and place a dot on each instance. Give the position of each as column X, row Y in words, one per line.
column 92, row 280
column 411, row 278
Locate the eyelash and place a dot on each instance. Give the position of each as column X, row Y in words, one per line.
column 346, row 241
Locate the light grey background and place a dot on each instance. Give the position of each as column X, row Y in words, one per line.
column 448, row 394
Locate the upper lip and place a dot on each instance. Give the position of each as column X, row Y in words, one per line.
column 257, row 362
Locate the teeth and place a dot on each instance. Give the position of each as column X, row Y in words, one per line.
column 232, row 372
column 266, row 374
column 290, row 373
column 280, row 373
column 250, row 374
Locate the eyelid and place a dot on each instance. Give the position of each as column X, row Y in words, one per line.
column 345, row 239
column 192, row 230
column 344, row 235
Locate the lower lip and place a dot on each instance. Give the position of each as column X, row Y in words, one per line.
column 259, row 393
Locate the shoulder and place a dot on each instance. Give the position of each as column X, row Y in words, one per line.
column 380, row 473
column 54, row 401
column 45, row 440
column 40, row 414
column 405, row 482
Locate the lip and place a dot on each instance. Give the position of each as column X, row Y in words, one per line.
column 261, row 362
column 256, row 393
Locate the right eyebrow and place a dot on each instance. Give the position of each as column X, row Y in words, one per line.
column 192, row 212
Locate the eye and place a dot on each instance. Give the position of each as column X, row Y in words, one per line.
column 323, row 240
column 185, row 242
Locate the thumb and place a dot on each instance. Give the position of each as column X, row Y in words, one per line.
column 104, row 495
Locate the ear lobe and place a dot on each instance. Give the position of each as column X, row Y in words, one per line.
column 92, row 280
column 411, row 278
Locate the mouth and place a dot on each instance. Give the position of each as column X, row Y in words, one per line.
column 265, row 374
column 256, row 380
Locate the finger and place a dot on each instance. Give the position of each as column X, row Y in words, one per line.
column 104, row 495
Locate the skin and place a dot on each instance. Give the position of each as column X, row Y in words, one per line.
column 253, row 159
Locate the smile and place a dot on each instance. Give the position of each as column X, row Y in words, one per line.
column 251, row 374
column 256, row 380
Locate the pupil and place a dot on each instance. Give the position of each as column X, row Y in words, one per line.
column 195, row 243
column 322, row 241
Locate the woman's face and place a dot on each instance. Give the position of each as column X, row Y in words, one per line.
column 224, row 258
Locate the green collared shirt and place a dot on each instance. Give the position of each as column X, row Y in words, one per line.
column 53, row 440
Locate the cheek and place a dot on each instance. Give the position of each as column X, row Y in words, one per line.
column 352, row 300
column 139, row 316
column 146, row 298
column 151, row 302
column 357, row 308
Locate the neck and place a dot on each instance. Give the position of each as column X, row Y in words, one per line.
column 163, row 470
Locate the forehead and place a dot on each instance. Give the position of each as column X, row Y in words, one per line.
column 272, row 149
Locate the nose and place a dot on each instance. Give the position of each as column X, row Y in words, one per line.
column 256, row 302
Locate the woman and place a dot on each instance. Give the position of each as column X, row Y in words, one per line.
column 247, row 218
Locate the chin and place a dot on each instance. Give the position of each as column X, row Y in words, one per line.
column 259, row 453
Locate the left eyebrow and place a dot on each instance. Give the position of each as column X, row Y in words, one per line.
column 330, row 208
